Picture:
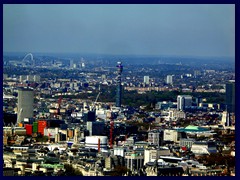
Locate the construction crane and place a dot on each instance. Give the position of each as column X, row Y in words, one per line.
column 97, row 98
column 94, row 104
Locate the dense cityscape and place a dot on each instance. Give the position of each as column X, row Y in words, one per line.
column 105, row 115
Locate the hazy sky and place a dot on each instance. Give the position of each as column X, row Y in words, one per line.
column 159, row 29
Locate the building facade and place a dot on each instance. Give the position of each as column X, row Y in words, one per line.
column 25, row 103
column 169, row 79
column 230, row 96
column 183, row 101
column 146, row 79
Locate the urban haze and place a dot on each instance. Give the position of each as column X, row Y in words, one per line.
column 119, row 90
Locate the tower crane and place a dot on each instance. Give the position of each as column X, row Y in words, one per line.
column 97, row 98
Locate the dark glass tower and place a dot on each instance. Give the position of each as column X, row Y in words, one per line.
column 230, row 96
column 119, row 86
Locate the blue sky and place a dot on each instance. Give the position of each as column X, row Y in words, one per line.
column 128, row 29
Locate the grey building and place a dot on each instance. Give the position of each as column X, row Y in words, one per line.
column 25, row 103
column 95, row 128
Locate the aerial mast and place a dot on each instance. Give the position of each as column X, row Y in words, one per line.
column 119, row 86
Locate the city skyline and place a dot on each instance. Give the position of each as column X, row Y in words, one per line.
column 134, row 29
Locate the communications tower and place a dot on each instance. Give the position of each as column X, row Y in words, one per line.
column 119, row 86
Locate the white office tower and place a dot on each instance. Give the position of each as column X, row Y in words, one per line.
column 25, row 103
column 183, row 101
column 36, row 78
column 226, row 121
column 22, row 78
column 146, row 79
column 30, row 78
column 83, row 65
column 169, row 79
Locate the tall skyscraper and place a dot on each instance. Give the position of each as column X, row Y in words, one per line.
column 226, row 119
column 119, row 86
column 146, row 79
column 183, row 101
column 25, row 103
column 30, row 78
column 36, row 78
column 22, row 78
column 169, row 79
column 71, row 63
column 230, row 96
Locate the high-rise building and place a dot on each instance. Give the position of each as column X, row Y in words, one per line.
column 22, row 78
column 89, row 116
column 25, row 103
column 146, row 79
column 196, row 73
column 226, row 119
column 95, row 128
column 71, row 63
column 183, row 101
column 134, row 160
column 119, row 86
column 36, row 78
column 169, row 79
column 230, row 96
column 5, row 76
column 30, row 78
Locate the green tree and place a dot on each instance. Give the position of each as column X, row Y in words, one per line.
column 70, row 171
column 119, row 171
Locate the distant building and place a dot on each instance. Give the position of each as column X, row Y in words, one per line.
column 226, row 119
column 95, row 128
column 173, row 135
column 174, row 115
column 96, row 141
column 203, row 147
column 89, row 116
column 71, row 63
column 30, row 78
column 104, row 77
column 196, row 73
column 25, row 103
column 22, row 78
column 36, row 78
column 119, row 85
column 230, row 96
column 133, row 160
column 169, row 79
column 164, row 105
column 83, row 65
column 183, row 101
column 154, row 138
column 119, row 151
column 150, row 154
column 186, row 142
column 5, row 76
column 146, row 79
column 170, row 135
